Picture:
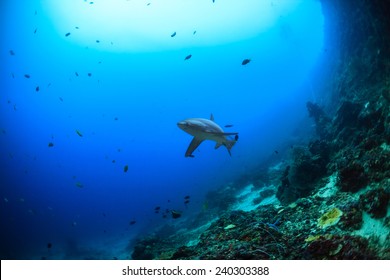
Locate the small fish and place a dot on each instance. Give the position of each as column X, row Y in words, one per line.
column 90, row 3
column 74, row 224
column 35, row 31
column 62, row 100
column 76, row 27
column 27, row 76
column 67, row 34
column 49, row 245
column 132, row 222
column 193, row 33
column 79, row 185
column 175, row 214
column 245, row 61
column 126, row 168
column 157, row 208
column 148, row 4
column 229, row 125
column 79, row 133
column 186, row 202
column 13, row 75
column 37, row 88
column 77, row 74
column 11, row 52
column 173, row 34
column 116, row 118
column 89, row 74
column 6, row 200
column 276, row 152
column 188, row 57
column 50, row 144
column 187, row 197
column 97, row 41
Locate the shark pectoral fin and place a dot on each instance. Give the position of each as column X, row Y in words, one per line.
column 217, row 145
column 193, row 145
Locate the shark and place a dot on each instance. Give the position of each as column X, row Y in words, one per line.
column 206, row 129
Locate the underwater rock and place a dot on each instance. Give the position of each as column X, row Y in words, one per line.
column 352, row 177
column 347, row 117
column 321, row 121
column 376, row 201
column 352, row 218
column 339, row 247
column 182, row 253
column 300, row 180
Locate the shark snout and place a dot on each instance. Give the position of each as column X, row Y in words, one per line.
column 182, row 124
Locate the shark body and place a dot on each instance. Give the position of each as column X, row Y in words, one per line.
column 204, row 129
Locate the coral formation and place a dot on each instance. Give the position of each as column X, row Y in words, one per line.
column 330, row 218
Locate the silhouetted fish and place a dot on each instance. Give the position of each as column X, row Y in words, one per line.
column 27, row 76
column 132, row 222
column 67, row 34
column 49, row 245
column 245, row 61
column 173, row 34
column 37, row 88
column 188, row 57
column 11, row 52
column 126, row 168
column 50, row 144
column 187, row 197
column 229, row 125
column 175, row 214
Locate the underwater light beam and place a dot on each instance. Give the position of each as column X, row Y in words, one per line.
column 121, row 25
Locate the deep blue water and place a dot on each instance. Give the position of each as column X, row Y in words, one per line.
column 76, row 194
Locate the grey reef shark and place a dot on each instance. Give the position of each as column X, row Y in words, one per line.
column 204, row 129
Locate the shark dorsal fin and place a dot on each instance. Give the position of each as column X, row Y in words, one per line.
column 212, row 117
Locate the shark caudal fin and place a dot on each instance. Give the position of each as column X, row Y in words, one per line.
column 228, row 144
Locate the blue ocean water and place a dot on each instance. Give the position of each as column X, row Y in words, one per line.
column 74, row 115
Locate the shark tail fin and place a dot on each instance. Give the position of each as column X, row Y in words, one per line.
column 229, row 145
